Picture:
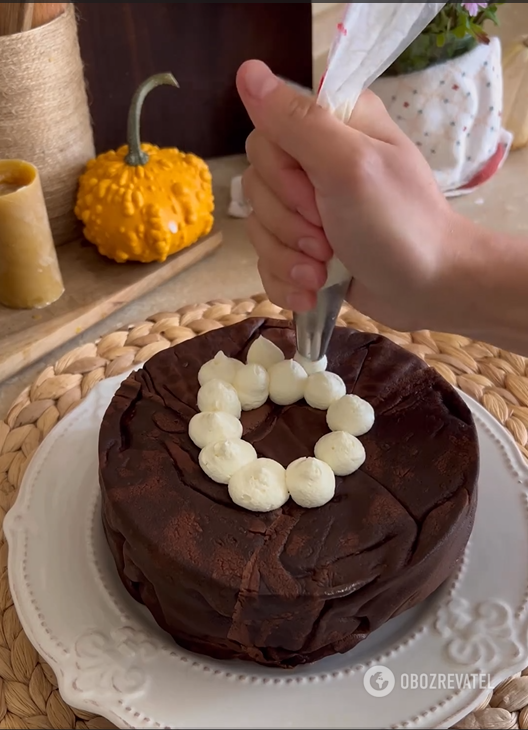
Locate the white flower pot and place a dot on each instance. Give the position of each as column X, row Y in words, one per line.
column 452, row 112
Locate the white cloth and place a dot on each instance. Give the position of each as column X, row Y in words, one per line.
column 452, row 112
column 238, row 206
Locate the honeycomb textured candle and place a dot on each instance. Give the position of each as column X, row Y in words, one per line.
column 30, row 276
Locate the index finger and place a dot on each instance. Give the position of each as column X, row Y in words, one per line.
column 284, row 176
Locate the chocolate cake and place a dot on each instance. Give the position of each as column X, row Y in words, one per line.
column 294, row 585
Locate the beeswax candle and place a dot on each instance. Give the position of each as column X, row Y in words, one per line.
column 30, row 277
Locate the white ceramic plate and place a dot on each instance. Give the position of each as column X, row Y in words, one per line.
column 110, row 658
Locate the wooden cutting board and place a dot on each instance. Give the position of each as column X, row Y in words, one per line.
column 94, row 288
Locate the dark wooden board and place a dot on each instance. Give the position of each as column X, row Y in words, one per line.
column 202, row 44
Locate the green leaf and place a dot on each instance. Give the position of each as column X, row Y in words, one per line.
column 461, row 31
column 440, row 40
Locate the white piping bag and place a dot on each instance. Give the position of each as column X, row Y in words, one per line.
column 369, row 39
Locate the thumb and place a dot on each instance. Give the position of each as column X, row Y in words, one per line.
column 293, row 121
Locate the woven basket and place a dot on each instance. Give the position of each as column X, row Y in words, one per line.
column 28, row 688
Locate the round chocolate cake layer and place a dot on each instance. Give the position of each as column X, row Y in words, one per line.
column 295, row 585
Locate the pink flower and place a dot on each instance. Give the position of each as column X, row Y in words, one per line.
column 473, row 8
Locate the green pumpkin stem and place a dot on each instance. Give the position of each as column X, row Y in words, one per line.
column 135, row 155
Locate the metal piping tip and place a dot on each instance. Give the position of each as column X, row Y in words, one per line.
column 314, row 329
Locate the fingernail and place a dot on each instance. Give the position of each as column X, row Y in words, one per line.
column 305, row 275
column 259, row 80
column 311, row 247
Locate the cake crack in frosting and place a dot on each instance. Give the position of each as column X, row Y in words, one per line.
column 292, row 586
column 174, row 451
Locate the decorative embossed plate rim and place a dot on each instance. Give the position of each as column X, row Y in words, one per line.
column 111, row 659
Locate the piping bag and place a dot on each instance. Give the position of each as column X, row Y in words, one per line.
column 369, row 38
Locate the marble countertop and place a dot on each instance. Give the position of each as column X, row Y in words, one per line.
column 232, row 273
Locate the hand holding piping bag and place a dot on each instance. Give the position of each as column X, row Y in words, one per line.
column 363, row 192
column 369, row 38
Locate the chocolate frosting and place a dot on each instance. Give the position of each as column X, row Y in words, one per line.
column 295, row 585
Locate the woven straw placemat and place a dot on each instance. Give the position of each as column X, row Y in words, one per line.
column 28, row 688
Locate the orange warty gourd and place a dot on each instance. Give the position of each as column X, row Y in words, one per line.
column 143, row 203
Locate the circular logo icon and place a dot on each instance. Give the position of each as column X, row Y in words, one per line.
column 379, row 681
